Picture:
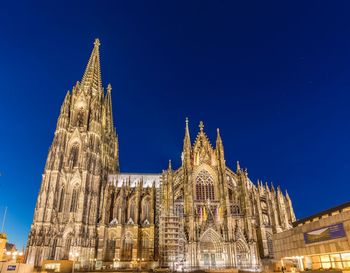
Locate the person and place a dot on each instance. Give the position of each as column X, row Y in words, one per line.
column 283, row 268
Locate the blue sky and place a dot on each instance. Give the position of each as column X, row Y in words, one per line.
column 273, row 76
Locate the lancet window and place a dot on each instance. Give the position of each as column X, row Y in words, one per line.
column 80, row 118
column 146, row 209
column 127, row 248
column 74, row 156
column 132, row 210
column 74, row 201
column 145, row 247
column 61, row 200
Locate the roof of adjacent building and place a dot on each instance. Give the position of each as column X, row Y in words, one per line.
column 319, row 215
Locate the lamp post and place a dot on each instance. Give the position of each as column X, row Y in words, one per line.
column 75, row 255
column 14, row 254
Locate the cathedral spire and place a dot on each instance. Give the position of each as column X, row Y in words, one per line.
column 186, row 153
column 92, row 75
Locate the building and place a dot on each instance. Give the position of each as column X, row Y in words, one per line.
column 202, row 214
column 3, row 241
column 321, row 241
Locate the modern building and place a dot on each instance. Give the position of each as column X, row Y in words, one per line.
column 202, row 214
column 321, row 241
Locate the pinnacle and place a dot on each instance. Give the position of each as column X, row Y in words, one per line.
column 97, row 42
column 109, row 87
column 201, row 126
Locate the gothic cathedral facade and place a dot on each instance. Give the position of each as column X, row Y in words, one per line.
column 203, row 214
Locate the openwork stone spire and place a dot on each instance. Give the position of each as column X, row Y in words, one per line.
column 92, row 75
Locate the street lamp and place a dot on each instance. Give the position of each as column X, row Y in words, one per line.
column 75, row 255
column 14, row 254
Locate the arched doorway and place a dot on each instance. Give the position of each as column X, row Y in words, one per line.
column 242, row 255
column 211, row 251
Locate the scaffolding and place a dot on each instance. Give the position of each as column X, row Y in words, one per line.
column 169, row 239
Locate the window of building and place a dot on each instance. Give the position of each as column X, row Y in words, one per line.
column 145, row 248
column 132, row 208
column 111, row 213
column 269, row 244
column 235, row 209
column 80, row 118
column 127, row 248
column 110, row 250
column 334, row 261
column 74, row 156
column 146, row 209
column 61, row 200
column 204, row 186
column 74, row 201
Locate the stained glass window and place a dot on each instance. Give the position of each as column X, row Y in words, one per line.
column 204, row 186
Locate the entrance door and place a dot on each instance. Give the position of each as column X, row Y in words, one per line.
column 206, row 259
column 213, row 262
column 211, row 250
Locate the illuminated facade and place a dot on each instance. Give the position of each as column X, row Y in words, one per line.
column 320, row 241
column 202, row 214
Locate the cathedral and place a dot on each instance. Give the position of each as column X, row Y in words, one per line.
column 201, row 215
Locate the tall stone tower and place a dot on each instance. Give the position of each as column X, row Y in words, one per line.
column 84, row 151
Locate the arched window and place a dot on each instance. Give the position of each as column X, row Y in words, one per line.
column 117, row 211
column 80, row 117
column 61, row 200
column 146, row 208
column 204, row 186
column 53, row 249
column 132, row 209
column 74, row 201
column 111, row 213
column 67, row 245
column 74, row 156
column 269, row 244
column 145, row 247
column 110, row 249
column 127, row 248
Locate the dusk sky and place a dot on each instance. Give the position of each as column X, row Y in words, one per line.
column 274, row 76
